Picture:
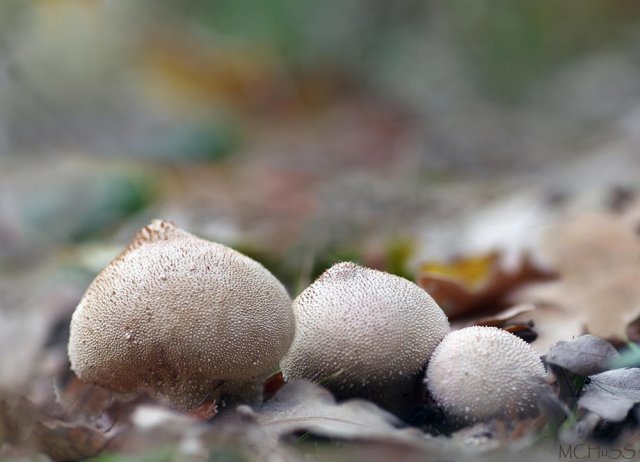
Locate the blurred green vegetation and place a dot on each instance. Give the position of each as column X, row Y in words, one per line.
column 512, row 45
column 158, row 455
column 193, row 141
column 412, row 52
column 507, row 45
column 629, row 357
column 247, row 85
column 92, row 209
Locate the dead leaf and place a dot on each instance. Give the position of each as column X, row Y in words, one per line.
column 476, row 285
column 586, row 355
column 588, row 244
column 24, row 425
column 503, row 319
column 206, row 411
column 552, row 324
column 612, row 394
column 609, row 407
column 524, row 331
column 304, row 406
column 84, row 402
column 620, row 382
column 472, row 273
column 598, row 291
column 64, row 441
column 17, row 419
column 272, row 385
column 499, row 319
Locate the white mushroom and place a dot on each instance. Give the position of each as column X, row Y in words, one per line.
column 184, row 318
column 362, row 332
column 479, row 373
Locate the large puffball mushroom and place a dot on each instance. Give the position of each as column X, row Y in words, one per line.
column 479, row 373
column 362, row 332
column 186, row 319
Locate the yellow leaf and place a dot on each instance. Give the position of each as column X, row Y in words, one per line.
column 472, row 272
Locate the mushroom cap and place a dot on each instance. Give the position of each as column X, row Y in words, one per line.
column 182, row 317
column 479, row 373
column 360, row 330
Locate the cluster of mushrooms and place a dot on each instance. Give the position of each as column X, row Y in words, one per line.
column 193, row 321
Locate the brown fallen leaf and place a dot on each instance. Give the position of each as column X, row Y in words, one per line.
column 476, row 285
column 17, row 419
column 524, row 331
column 63, row 441
column 22, row 424
column 598, row 289
column 86, row 403
column 272, row 385
column 206, row 411
column 83, row 403
column 551, row 324
column 501, row 318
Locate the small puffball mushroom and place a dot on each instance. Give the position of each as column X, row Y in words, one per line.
column 362, row 332
column 186, row 319
column 479, row 373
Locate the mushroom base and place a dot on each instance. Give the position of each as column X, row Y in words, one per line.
column 396, row 397
column 245, row 392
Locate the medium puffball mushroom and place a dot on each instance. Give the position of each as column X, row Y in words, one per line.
column 479, row 373
column 362, row 332
column 186, row 319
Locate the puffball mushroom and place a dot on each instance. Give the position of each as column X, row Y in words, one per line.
column 184, row 318
column 362, row 332
column 479, row 373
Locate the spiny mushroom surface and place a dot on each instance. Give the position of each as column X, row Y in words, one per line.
column 182, row 317
column 362, row 332
column 479, row 373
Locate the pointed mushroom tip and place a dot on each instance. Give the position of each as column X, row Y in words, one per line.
column 349, row 270
column 348, row 267
column 157, row 230
column 159, row 226
column 159, row 223
column 345, row 265
column 343, row 269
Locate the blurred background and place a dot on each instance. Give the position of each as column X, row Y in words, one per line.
column 300, row 132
